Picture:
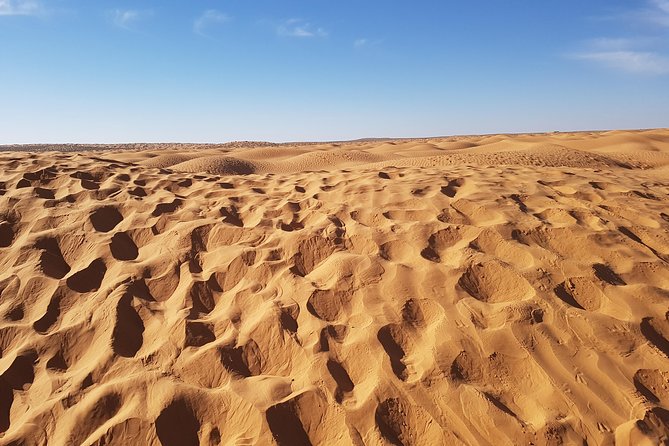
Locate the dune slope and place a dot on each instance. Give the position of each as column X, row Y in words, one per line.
column 472, row 290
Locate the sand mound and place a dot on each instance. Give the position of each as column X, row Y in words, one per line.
column 324, row 160
column 478, row 290
column 162, row 161
column 220, row 165
column 456, row 145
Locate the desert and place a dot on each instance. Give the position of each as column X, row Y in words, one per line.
column 494, row 289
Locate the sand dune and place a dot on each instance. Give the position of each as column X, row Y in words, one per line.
column 500, row 289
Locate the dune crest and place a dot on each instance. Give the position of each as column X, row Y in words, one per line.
column 500, row 289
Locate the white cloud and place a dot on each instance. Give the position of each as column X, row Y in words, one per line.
column 656, row 12
column 639, row 62
column 126, row 18
column 625, row 54
column 208, row 18
column 20, row 7
column 612, row 44
column 358, row 43
column 365, row 42
column 645, row 54
column 662, row 7
column 300, row 28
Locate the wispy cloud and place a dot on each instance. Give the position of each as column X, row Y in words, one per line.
column 639, row 54
column 359, row 43
column 612, row 43
column 365, row 42
column 20, row 7
column 648, row 12
column 126, row 18
column 656, row 12
column 662, row 5
column 624, row 54
column 300, row 28
column 630, row 61
column 208, row 18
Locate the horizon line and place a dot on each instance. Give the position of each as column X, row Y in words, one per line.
column 331, row 141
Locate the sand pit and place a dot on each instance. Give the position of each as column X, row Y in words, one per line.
column 508, row 289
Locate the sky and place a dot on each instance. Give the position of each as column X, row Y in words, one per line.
column 109, row 71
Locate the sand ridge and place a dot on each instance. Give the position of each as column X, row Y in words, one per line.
column 501, row 289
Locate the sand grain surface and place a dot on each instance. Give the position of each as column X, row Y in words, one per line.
column 502, row 289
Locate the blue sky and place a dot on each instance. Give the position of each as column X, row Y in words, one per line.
column 220, row 70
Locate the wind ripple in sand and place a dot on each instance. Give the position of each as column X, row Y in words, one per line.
column 482, row 290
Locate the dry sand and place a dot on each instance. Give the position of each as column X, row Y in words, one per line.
column 473, row 290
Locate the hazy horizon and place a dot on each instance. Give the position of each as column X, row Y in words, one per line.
column 316, row 141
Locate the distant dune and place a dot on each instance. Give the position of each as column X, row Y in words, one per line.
column 496, row 289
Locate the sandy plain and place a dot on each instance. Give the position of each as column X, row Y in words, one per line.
column 499, row 289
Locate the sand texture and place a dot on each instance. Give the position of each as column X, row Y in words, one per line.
column 493, row 290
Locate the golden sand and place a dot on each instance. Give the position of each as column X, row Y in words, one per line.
column 472, row 290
